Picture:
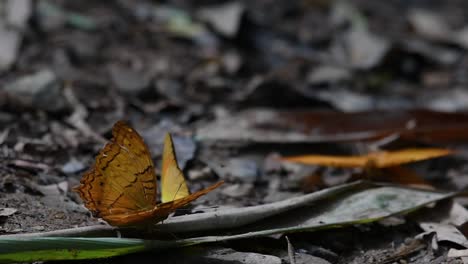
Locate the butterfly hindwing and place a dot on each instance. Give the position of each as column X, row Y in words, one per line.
column 90, row 190
column 130, row 182
column 158, row 213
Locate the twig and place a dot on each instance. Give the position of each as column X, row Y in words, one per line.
column 291, row 254
column 24, row 164
column 222, row 219
column 85, row 231
column 231, row 218
column 4, row 135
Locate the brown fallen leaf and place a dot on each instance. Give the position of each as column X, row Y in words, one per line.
column 395, row 174
column 313, row 182
column 405, row 176
column 261, row 125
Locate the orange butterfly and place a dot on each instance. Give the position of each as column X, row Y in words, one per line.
column 121, row 186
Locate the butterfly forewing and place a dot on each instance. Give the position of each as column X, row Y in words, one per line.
column 173, row 185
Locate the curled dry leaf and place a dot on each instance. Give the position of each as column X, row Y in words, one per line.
column 378, row 166
column 381, row 159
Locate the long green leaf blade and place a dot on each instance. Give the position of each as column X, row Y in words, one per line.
column 61, row 248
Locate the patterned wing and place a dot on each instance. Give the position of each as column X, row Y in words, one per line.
column 174, row 191
column 156, row 214
column 90, row 190
column 173, row 185
column 129, row 179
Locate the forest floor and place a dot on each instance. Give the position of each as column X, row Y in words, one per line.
column 238, row 83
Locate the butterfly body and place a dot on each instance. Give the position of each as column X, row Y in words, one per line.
column 121, row 187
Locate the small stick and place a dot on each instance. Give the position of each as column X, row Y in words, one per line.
column 292, row 256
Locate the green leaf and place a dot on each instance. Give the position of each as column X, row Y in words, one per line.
column 59, row 248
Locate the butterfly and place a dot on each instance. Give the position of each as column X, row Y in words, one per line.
column 121, row 187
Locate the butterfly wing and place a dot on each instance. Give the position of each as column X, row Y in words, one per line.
column 173, row 185
column 174, row 190
column 90, row 190
column 158, row 213
column 121, row 187
column 129, row 181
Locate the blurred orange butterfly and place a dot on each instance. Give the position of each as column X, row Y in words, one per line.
column 121, row 186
